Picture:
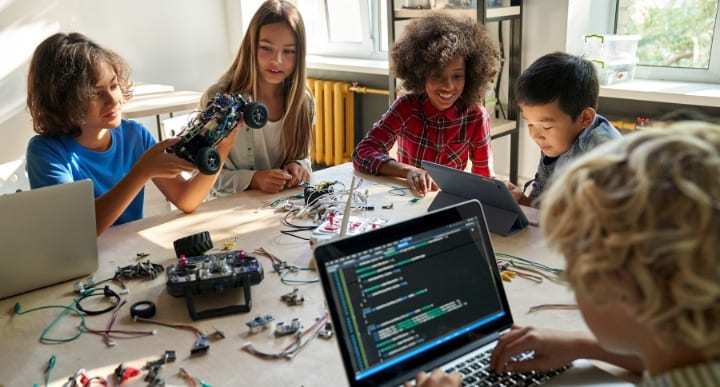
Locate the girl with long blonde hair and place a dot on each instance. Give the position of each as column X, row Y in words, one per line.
column 270, row 68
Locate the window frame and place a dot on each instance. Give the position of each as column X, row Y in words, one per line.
column 344, row 49
column 683, row 74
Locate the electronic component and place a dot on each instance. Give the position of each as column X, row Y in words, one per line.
column 213, row 274
column 207, row 128
column 259, row 323
column 330, row 228
column 152, row 374
column 326, row 332
column 293, row 298
column 202, row 344
column 282, row 329
column 168, row 357
column 279, row 266
column 313, row 192
column 80, row 286
column 218, row 334
column 145, row 269
column 123, row 373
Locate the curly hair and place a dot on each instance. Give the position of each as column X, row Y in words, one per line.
column 61, row 80
column 647, row 205
column 429, row 44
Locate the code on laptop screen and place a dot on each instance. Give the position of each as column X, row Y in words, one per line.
column 409, row 296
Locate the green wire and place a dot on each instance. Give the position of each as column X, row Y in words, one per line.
column 530, row 263
column 43, row 338
column 295, row 270
column 66, row 309
column 51, row 365
column 395, row 190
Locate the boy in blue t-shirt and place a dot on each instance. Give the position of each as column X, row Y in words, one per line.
column 76, row 90
column 558, row 95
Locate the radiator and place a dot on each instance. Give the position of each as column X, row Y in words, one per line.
column 334, row 131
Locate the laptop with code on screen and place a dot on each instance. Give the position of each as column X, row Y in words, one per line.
column 425, row 293
column 48, row 236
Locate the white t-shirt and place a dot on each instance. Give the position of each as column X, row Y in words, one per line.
column 268, row 145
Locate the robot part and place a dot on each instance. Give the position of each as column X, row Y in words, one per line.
column 293, row 298
column 259, row 323
column 282, row 329
column 210, row 126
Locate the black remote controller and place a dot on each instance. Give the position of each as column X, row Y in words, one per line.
column 214, row 273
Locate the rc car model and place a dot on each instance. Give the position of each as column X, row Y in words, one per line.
column 208, row 127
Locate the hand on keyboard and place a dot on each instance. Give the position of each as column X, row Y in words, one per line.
column 550, row 349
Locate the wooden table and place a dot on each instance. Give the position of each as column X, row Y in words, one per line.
column 157, row 103
column 246, row 220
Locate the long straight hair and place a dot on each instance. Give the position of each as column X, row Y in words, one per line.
column 242, row 77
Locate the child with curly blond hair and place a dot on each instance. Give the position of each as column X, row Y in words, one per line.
column 637, row 220
column 446, row 64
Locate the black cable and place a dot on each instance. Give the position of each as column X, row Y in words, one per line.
column 106, row 292
column 292, row 234
column 295, row 226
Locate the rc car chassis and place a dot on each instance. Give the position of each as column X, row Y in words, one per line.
column 208, row 127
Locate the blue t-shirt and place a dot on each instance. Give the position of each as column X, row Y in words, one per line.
column 60, row 160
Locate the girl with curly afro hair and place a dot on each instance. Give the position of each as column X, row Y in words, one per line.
column 445, row 64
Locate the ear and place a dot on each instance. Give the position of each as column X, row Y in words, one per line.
column 587, row 116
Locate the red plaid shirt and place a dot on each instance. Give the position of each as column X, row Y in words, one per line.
column 450, row 137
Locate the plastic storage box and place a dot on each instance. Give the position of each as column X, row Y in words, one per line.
column 615, row 56
column 611, row 48
column 612, row 72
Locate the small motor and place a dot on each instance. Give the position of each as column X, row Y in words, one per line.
column 313, row 192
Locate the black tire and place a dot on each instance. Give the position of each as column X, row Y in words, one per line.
column 193, row 245
column 208, row 160
column 255, row 115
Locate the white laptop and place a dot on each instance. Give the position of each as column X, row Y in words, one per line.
column 421, row 294
column 503, row 213
column 48, row 236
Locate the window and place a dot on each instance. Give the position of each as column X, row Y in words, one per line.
column 677, row 38
column 348, row 28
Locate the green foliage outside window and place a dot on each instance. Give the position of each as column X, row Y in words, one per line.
column 675, row 33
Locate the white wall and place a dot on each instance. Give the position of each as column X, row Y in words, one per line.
column 183, row 43
column 189, row 43
column 551, row 25
column 544, row 30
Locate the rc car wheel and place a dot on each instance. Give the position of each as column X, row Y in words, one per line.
column 208, row 160
column 255, row 115
column 193, row 245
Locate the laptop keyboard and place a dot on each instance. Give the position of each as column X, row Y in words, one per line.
column 476, row 372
